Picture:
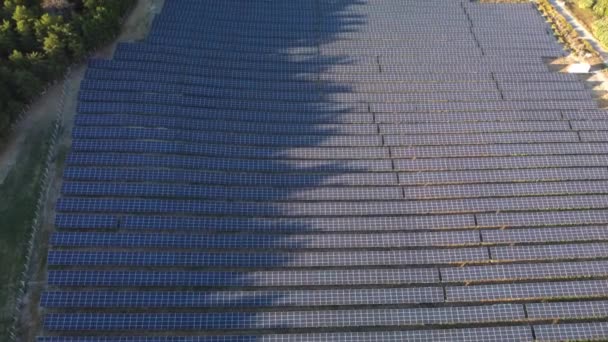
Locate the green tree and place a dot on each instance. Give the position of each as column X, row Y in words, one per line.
column 600, row 8
column 24, row 21
column 45, row 24
column 39, row 66
column 18, row 60
column 585, row 3
column 600, row 30
column 28, row 85
column 38, row 38
column 7, row 38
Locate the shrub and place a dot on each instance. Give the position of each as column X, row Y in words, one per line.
column 600, row 30
column 585, row 3
column 600, row 7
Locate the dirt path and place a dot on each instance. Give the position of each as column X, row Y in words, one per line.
column 39, row 117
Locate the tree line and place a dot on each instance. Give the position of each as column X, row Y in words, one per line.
column 40, row 38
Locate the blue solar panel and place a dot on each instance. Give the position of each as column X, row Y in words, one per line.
column 267, row 259
column 211, row 123
column 241, row 299
column 281, row 320
column 332, row 171
column 493, row 334
column 242, row 279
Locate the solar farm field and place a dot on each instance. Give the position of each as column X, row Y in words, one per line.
column 333, row 170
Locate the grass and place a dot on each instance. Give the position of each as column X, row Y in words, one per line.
column 19, row 194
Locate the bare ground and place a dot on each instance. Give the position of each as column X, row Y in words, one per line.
column 41, row 114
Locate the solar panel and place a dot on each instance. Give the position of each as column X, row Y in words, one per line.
column 241, row 279
column 512, row 272
column 521, row 333
column 270, row 241
column 267, row 259
column 389, row 170
column 243, row 299
column 280, row 320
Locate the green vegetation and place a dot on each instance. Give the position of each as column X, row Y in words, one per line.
column 585, row 3
column 40, row 38
column 564, row 31
column 599, row 25
column 19, row 192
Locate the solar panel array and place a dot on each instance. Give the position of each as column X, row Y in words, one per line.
column 333, row 170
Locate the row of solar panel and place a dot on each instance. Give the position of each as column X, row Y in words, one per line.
column 262, row 242
column 261, row 44
column 300, row 91
column 316, row 146
column 547, row 218
column 342, row 240
column 315, row 136
column 388, row 59
column 326, row 208
column 522, row 138
column 125, row 66
column 492, row 334
column 367, row 31
column 239, row 299
column 312, row 298
column 583, row 104
column 368, row 8
column 132, row 114
column 347, row 68
column 104, row 102
column 596, row 136
column 326, row 318
column 399, row 257
column 217, row 137
column 306, row 40
column 309, row 50
column 547, row 332
column 141, row 80
column 110, row 114
column 281, row 71
column 291, row 225
column 228, row 151
column 224, row 178
column 337, row 22
column 266, row 43
column 107, row 98
column 129, row 146
column 257, row 130
column 300, row 38
column 138, row 81
column 327, row 24
column 470, row 78
column 236, row 193
column 498, row 150
column 92, row 89
column 342, row 193
column 124, row 174
column 267, row 17
column 340, row 277
column 295, row 259
column 343, row 166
